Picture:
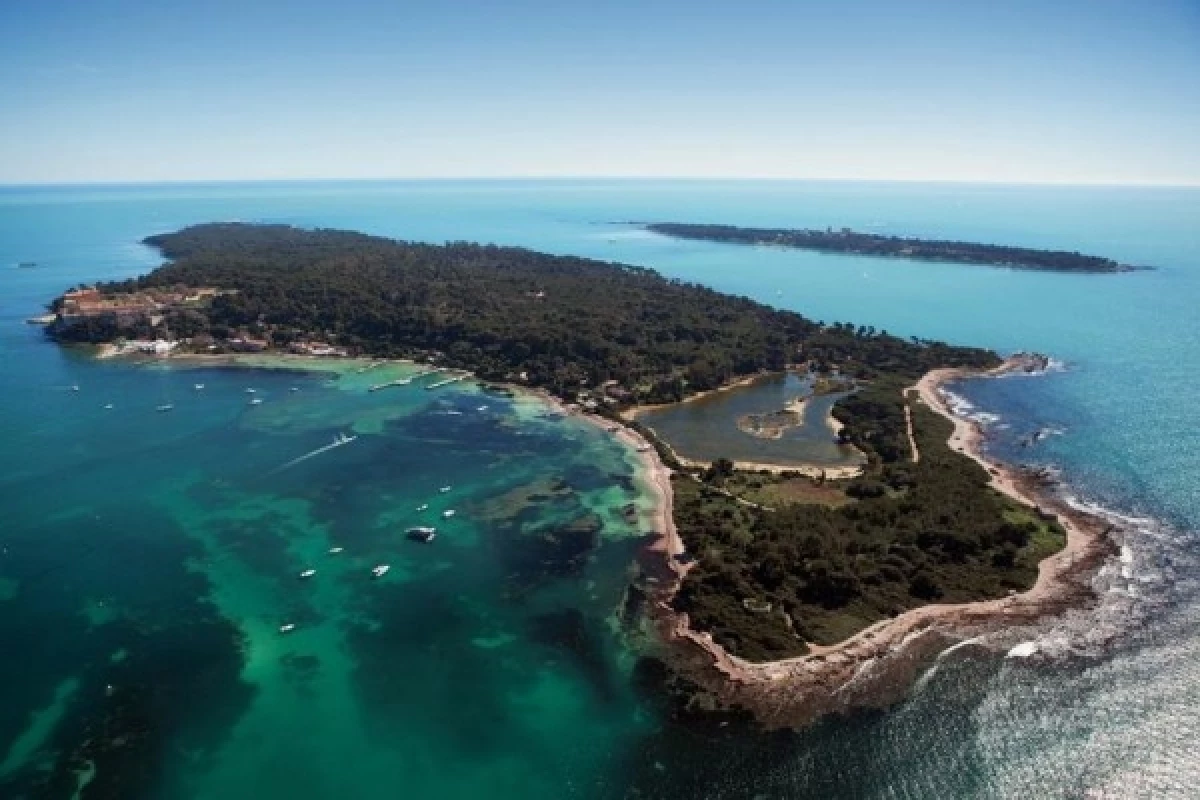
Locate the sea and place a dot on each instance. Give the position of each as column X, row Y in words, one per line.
column 149, row 558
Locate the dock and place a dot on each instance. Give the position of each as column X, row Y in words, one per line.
column 401, row 381
column 447, row 382
column 371, row 366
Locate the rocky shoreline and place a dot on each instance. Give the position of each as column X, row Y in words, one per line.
column 876, row 667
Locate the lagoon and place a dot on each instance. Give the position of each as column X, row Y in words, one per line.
column 706, row 428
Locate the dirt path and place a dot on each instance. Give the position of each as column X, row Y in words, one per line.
column 912, row 440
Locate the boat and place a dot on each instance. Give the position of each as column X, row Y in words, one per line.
column 251, row 391
column 336, row 550
column 198, row 386
column 421, row 534
column 423, row 507
column 256, row 401
column 448, row 513
column 75, row 387
column 308, row 573
column 108, row 406
column 294, row 389
column 26, row 264
column 444, row 489
column 482, row 408
column 165, row 407
column 380, row 570
column 287, row 627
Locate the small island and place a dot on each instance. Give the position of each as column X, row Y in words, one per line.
column 850, row 242
column 768, row 567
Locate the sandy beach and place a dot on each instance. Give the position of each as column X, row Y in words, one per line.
column 877, row 666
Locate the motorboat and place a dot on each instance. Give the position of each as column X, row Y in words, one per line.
column 308, row 573
column 335, row 550
column 423, row 507
column 165, row 407
column 256, row 401
column 421, row 534
column 287, row 627
column 448, row 513
column 380, row 570
column 444, row 489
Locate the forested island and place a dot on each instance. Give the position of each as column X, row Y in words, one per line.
column 781, row 560
column 845, row 240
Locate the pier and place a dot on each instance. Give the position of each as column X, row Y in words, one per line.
column 447, row 381
column 402, row 381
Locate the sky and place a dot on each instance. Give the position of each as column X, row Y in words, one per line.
column 1017, row 91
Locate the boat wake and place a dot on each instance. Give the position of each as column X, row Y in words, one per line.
column 338, row 441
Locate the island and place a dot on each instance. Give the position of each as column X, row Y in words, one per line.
column 851, row 242
column 754, row 570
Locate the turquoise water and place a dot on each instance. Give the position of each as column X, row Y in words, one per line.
column 156, row 554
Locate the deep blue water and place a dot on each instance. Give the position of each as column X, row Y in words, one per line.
column 78, row 488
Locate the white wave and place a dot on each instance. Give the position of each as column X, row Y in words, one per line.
column 1022, row 650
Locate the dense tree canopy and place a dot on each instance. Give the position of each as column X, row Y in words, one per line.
column 501, row 311
column 845, row 240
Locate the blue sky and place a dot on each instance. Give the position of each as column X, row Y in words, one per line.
column 1095, row 91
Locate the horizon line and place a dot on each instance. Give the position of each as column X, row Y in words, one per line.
column 1099, row 184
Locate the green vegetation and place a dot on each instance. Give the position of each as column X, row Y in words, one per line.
column 845, row 240
column 828, row 560
column 498, row 311
column 901, row 536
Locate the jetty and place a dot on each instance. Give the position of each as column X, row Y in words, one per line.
column 448, row 381
column 401, row 381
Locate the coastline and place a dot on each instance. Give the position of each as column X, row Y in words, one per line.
column 871, row 669
column 877, row 666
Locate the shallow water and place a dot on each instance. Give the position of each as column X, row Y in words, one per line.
column 706, row 428
column 158, row 553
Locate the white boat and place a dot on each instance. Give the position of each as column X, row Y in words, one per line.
column 336, row 550
column 380, row 570
column 482, row 408
column 287, row 627
column 294, row 389
column 308, row 573
column 448, row 513
column 75, row 387
column 108, row 405
column 251, row 391
column 423, row 507
column 165, row 407
column 444, row 489
column 257, row 401
column 199, row 386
